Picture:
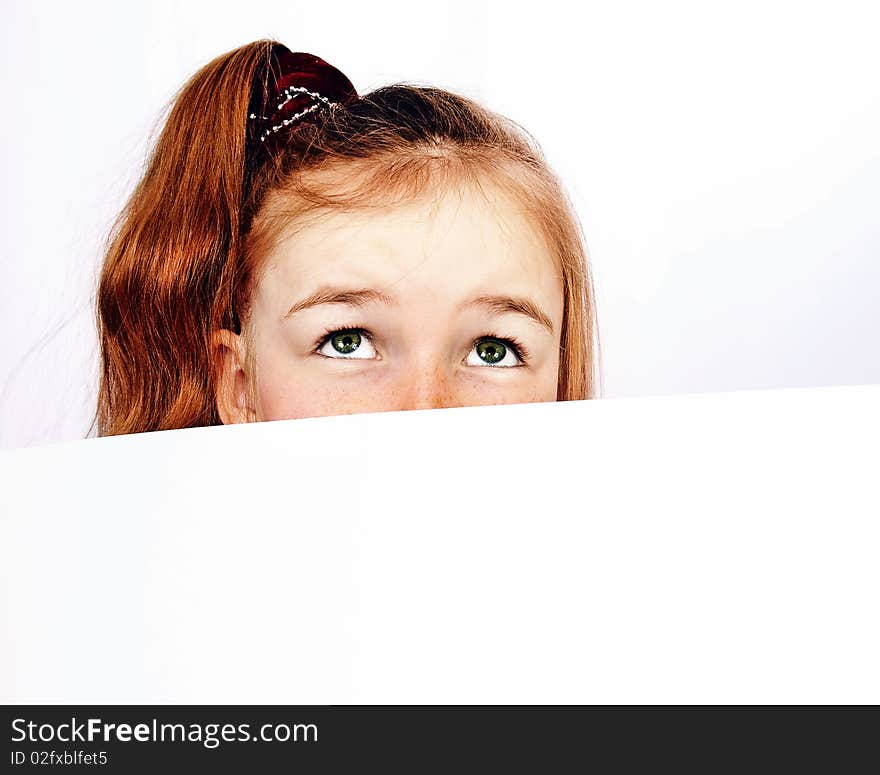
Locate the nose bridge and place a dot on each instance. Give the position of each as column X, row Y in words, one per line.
column 427, row 384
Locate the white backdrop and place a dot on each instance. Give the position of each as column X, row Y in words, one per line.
column 724, row 161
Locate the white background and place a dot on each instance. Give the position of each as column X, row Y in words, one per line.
column 723, row 158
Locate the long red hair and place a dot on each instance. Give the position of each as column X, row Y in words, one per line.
column 185, row 249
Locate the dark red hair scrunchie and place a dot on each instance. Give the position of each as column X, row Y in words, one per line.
column 293, row 87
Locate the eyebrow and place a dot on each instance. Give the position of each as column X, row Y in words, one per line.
column 357, row 297
column 516, row 304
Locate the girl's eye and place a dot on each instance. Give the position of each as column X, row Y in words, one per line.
column 348, row 343
column 490, row 351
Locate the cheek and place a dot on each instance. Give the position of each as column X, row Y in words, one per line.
column 530, row 387
column 543, row 388
column 280, row 389
column 288, row 390
column 278, row 400
column 546, row 385
column 289, row 396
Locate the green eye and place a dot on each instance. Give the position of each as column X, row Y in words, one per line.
column 491, row 350
column 346, row 342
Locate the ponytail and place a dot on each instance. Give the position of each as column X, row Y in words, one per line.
column 168, row 272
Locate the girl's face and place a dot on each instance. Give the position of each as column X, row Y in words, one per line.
column 450, row 301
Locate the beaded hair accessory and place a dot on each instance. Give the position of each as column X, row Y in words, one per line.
column 293, row 87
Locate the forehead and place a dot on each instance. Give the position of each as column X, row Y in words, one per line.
column 444, row 245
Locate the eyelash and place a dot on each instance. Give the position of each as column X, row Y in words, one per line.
column 519, row 349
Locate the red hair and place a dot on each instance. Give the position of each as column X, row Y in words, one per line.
column 186, row 248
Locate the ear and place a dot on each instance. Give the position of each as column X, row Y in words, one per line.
column 232, row 394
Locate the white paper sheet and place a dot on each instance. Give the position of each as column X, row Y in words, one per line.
column 715, row 548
